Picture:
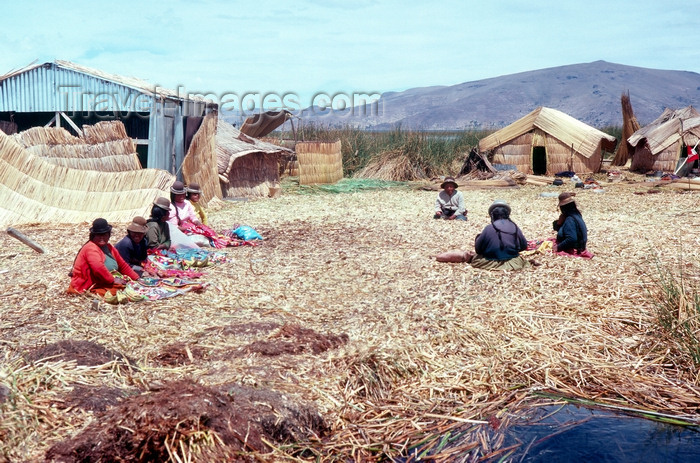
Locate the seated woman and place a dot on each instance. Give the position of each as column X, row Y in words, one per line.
column 134, row 246
column 95, row 262
column 193, row 195
column 572, row 234
column 498, row 246
column 450, row 202
column 158, row 233
column 181, row 211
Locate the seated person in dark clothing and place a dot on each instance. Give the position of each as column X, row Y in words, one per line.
column 572, row 234
column 499, row 245
column 158, row 233
column 134, row 246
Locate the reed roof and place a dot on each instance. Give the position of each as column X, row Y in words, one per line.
column 568, row 130
column 667, row 129
column 259, row 125
column 231, row 144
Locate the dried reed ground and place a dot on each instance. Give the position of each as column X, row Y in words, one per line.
column 427, row 339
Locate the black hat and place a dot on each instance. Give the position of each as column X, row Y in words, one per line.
column 100, row 226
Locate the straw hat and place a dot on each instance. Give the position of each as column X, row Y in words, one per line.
column 100, row 226
column 163, row 203
column 194, row 188
column 447, row 181
column 138, row 225
column 178, row 188
column 499, row 203
column 566, row 198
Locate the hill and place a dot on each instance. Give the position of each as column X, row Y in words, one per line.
column 589, row 92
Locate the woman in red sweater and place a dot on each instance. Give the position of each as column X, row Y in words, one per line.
column 96, row 260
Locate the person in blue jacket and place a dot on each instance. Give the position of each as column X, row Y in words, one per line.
column 499, row 245
column 572, row 234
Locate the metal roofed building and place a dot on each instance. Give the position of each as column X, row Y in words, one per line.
column 161, row 121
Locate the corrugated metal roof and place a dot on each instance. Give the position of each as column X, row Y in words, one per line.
column 568, row 130
column 66, row 86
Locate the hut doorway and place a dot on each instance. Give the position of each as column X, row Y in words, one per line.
column 539, row 160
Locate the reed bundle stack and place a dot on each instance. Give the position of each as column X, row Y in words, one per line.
column 629, row 126
column 319, row 162
column 200, row 163
column 104, row 147
column 35, row 190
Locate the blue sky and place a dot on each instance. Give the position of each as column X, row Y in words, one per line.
column 343, row 47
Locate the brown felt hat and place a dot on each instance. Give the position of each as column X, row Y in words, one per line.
column 138, row 225
column 178, row 188
column 566, row 198
column 194, row 188
column 447, row 181
column 163, row 203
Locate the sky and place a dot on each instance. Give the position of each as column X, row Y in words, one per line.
column 244, row 53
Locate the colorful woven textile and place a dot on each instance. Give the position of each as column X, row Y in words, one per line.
column 183, row 263
column 153, row 289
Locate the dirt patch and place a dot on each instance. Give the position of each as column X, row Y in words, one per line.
column 85, row 353
column 294, row 339
column 180, row 353
column 245, row 328
column 96, row 399
column 192, row 421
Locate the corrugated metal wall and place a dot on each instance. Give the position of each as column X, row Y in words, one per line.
column 51, row 88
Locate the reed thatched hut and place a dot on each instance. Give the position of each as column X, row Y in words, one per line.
column 548, row 141
column 247, row 167
column 660, row 145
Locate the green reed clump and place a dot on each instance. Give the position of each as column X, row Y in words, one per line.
column 430, row 153
column 677, row 303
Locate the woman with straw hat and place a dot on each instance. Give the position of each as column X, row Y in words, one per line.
column 158, row 233
column 572, row 233
column 134, row 246
column 450, row 202
column 97, row 262
column 499, row 245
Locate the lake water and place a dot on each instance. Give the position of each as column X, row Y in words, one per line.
column 575, row 434
column 579, row 434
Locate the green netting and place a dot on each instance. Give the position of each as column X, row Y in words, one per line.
column 290, row 185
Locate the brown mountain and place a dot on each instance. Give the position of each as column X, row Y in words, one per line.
column 589, row 92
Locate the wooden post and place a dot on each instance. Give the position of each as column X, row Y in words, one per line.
column 26, row 240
